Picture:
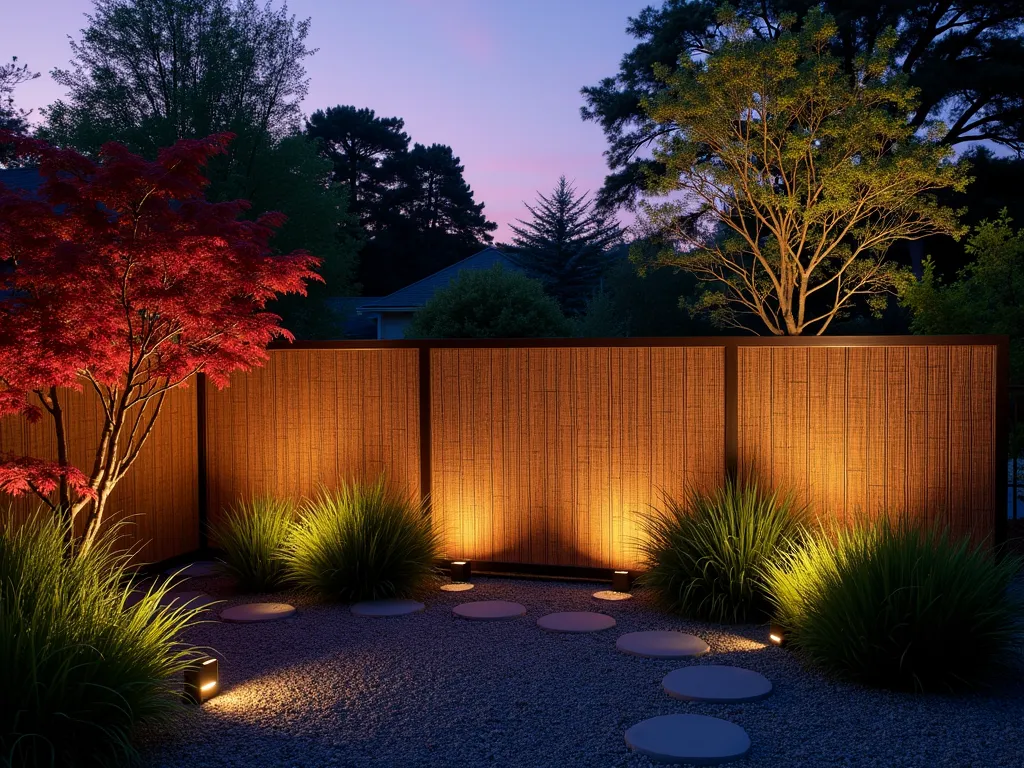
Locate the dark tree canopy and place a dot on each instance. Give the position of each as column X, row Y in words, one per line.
column 996, row 186
column 418, row 213
column 12, row 118
column 146, row 73
column 984, row 296
column 565, row 244
column 362, row 148
column 293, row 177
column 432, row 194
column 652, row 303
column 493, row 303
column 427, row 219
column 966, row 58
column 12, row 75
column 149, row 72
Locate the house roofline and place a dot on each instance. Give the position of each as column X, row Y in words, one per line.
column 416, row 307
column 374, row 308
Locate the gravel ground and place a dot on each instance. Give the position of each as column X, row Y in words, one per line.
column 326, row 688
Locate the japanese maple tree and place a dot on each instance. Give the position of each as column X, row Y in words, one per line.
column 118, row 275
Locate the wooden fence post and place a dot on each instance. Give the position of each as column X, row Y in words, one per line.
column 201, row 458
column 424, row 374
column 1002, row 436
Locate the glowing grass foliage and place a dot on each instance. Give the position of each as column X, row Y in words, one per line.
column 363, row 542
column 898, row 605
column 704, row 558
column 253, row 536
column 79, row 667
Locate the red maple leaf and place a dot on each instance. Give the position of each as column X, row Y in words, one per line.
column 119, row 275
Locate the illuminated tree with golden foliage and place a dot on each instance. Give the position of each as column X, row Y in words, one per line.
column 789, row 178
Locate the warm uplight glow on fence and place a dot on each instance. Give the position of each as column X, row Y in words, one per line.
column 202, row 681
column 550, row 456
column 550, row 452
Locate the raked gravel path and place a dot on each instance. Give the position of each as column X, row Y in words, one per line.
column 326, row 688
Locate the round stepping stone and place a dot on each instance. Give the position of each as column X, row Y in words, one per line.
column 696, row 739
column 662, row 645
column 489, row 610
column 196, row 570
column 458, row 587
column 379, row 608
column 717, row 683
column 608, row 594
column 251, row 612
column 575, row 621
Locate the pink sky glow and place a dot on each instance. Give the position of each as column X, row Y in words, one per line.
column 498, row 81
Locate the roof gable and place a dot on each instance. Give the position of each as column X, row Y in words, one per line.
column 415, row 295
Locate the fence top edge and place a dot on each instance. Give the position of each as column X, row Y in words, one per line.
column 723, row 342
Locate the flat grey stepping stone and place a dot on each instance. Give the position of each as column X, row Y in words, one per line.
column 717, row 683
column 251, row 612
column 575, row 621
column 695, row 739
column 185, row 600
column 458, row 587
column 197, row 570
column 662, row 645
column 489, row 610
column 610, row 594
column 379, row 608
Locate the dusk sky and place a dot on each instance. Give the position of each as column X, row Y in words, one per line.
column 496, row 80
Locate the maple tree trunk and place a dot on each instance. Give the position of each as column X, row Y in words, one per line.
column 104, row 480
column 64, row 495
column 93, row 521
column 111, row 467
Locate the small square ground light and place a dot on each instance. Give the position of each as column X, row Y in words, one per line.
column 202, row 682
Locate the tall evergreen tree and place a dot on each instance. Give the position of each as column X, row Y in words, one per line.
column 426, row 220
column 418, row 213
column 362, row 148
column 433, row 195
column 565, row 245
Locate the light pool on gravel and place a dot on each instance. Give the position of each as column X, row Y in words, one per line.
column 326, row 688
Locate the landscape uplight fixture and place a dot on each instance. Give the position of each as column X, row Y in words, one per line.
column 776, row 634
column 460, row 571
column 622, row 581
column 202, row 681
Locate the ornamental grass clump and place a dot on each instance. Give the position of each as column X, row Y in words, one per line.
column 363, row 542
column 253, row 536
column 901, row 605
column 705, row 556
column 80, row 668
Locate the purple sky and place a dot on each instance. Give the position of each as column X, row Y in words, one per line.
column 498, row 81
